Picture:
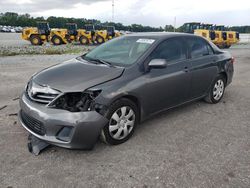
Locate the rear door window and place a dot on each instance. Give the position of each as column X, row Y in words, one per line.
column 210, row 50
column 199, row 48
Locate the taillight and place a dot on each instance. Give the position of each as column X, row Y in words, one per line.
column 232, row 60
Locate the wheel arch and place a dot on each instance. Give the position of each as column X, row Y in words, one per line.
column 34, row 35
column 134, row 99
column 224, row 74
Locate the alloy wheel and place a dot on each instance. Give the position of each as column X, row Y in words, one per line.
column 218, row 89
column 121, row 123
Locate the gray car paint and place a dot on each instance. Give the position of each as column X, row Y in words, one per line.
column 86, row 125
column 76, row 75
column 153, row 90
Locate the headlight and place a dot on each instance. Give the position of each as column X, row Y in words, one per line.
column 76, row 102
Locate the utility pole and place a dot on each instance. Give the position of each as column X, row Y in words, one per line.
column 113, row 11
column 174, row 23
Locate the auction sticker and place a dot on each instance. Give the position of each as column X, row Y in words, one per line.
column 147, row 41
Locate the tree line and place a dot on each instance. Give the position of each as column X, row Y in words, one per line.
column 25, row 20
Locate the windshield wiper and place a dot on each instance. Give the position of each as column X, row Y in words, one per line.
column 102, row 62
column 96, row 60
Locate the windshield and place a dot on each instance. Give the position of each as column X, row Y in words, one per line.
column 122, row 51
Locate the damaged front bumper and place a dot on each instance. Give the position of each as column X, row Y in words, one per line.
column 75, row 130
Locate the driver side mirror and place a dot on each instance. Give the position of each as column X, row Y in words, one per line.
column 157, row 64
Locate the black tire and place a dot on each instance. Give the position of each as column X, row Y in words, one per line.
column 106, row 135
column 84, row 40
column 211, row 97
column 99, row 39
column 56, row 40
column 35, row 40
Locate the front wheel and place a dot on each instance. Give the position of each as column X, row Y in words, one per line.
column 217, row 90
column 35, row 40
column 56, row 40
column 84, row 40
column 99, row 39
column 123, row 117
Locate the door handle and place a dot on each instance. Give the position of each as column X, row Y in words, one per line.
column 185, row 69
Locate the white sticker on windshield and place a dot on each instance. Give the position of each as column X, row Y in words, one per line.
column 147, row 41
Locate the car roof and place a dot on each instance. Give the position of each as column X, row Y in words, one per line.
column 165, row 35
column 160, row 35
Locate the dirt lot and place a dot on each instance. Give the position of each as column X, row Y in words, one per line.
column 197, row 145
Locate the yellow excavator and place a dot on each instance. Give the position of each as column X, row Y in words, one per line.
column 37, row 35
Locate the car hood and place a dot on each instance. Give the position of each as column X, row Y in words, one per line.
column 76, row 75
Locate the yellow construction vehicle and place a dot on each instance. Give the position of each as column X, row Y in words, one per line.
column 191, row 26
column 87, row 35
column 64, row 36
column 58, row 36
column 197, row 28
column 37, row 35
column 216, row 34
column 205, row 30
column 224, row 39
column 220, row 36
column 232, row 38
column 72, row 32
column 106, row 34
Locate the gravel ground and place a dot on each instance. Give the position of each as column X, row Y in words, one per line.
column 12, row 44
column 196, row 145
column 12, row 39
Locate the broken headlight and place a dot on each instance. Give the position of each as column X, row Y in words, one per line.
column 76, row 102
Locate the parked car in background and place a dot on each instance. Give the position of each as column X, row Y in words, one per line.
column 119, row 84
column 19, row 29
column 10, row 29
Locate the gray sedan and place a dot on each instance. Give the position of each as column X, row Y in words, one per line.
column 108, row 91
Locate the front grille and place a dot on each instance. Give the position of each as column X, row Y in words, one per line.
column 33, row 124
column 44, row 98
column 41, row 94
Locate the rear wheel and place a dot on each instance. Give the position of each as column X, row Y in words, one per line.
column 99, row 39
column 217, row 90
column 36, row 40
column 84, row 40
column 123, row 118
column 56, row 40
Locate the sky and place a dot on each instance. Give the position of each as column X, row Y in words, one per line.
column 146, row 12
